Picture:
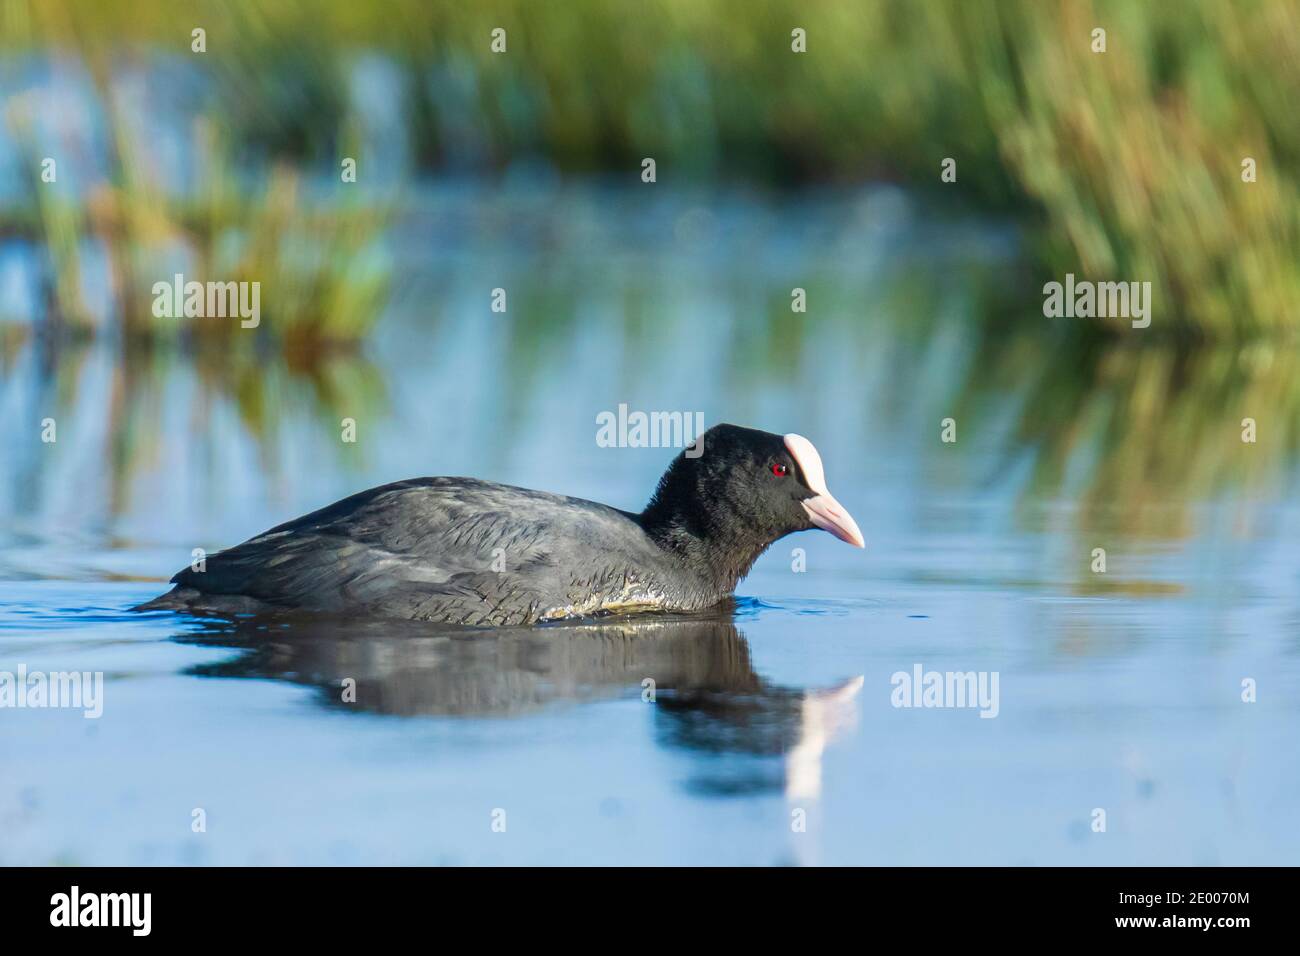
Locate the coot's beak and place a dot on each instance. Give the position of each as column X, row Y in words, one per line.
column 829, row 515
column 823, row 510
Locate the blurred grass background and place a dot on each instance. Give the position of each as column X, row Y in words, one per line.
column 1126, row 164
column 1123, row 165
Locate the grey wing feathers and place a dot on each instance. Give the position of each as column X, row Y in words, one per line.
column 427, row 549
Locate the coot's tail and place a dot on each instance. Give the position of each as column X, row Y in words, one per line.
column 192, row 600
column 177, row 599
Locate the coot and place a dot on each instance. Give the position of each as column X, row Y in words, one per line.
column 465, row 551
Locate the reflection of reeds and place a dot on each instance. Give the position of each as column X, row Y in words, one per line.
column 1136, row 434
column 266, row 391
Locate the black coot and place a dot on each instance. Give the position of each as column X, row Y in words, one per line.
column 464, row 551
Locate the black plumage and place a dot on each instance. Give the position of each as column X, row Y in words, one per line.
column 465, row 551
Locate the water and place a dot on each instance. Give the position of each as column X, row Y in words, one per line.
column 771, row 738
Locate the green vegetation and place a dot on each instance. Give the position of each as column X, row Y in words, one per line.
column 1128, row 162
column 1122, row 165
column 321, row 260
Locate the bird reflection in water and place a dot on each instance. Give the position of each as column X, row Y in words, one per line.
column 695, row 672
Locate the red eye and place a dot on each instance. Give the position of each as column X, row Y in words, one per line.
column 780, row 470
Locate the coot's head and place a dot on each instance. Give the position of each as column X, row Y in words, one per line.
column 745, row 489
